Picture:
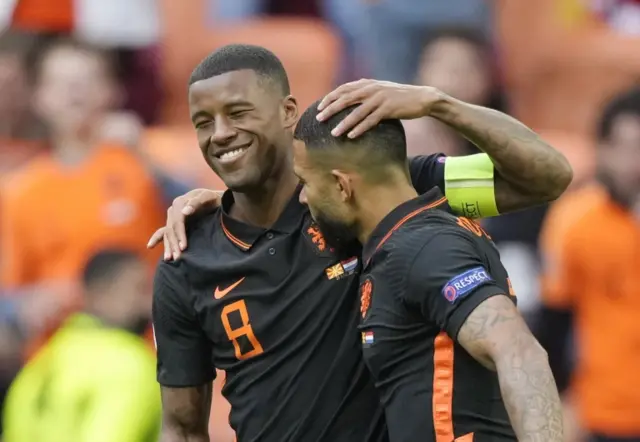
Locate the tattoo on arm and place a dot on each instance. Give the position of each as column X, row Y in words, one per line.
column 185, row 414
column 528, row 170
column 496, row 336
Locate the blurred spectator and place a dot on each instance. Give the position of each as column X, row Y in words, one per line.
column 87, row 193
column 564, row 59
column 395, row 30
column 95, row 379
column 20, row 134
column 130, row 27
column 591, row 243
column 460, row 62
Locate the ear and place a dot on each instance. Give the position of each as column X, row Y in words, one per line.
column 290, row 111
column 344, row 184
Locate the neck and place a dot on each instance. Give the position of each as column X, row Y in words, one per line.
column 378, row 202
column 71, row 149
column 265, row 205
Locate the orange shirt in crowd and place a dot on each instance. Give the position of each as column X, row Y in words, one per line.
column 53, row 217
column 43, row 15
column 592, row 253
column 15, row 154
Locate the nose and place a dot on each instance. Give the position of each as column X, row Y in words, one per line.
column 303, row 197
column 224, row 132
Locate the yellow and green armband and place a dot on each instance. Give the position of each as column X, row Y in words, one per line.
column 469, row 186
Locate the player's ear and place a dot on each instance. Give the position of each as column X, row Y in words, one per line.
column 344, row 184
column 289, row 111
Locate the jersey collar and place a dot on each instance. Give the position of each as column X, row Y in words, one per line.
column 244, row 236
column 400, row 215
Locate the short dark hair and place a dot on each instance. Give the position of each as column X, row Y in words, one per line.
column 107, row 56
column 385, row 142
column 236, row 57
column 105, row 266
column 626, row 103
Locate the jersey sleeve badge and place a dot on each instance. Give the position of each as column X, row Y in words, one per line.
column 462, row 284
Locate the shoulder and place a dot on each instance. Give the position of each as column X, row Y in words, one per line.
column 572, row 216
column 30, row 179
column 429, row 234
column 200, row 230
column 115, row 157
column 133, row 355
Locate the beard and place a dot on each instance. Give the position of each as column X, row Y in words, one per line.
column 340, row 236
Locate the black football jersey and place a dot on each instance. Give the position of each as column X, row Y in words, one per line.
column 277, row 309
column 425, row 271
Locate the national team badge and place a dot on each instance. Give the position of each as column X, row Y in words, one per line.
column 342, row 269
column 317, row 240
column 368, row 338
column 366, row 289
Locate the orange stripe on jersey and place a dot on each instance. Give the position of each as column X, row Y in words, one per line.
column 233, row 239
column 408, row 217
column 443, row 391
column 443, row 388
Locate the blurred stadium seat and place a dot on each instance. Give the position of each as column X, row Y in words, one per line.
column 309, row 50
column 562, row 63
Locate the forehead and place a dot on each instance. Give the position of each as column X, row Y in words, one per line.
column 225, row 89
column 72, row 60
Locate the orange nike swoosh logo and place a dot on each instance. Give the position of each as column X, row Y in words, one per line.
column 219, row 294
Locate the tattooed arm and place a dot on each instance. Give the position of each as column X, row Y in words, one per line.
column 185, row 414
column 457, row 282
column 528, row 170
column 496, row 336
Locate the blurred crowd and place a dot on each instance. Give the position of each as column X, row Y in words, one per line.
column 95, row 143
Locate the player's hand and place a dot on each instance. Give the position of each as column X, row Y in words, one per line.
column 174, row 235
column 378, row 100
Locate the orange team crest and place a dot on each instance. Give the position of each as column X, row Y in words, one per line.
column 365, row 296
column 316, row 237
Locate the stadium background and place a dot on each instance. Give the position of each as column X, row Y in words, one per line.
column 551, row 63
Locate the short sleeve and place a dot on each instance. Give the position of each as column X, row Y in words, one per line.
column 427, row 172
column 448, row 279
column 185, row 354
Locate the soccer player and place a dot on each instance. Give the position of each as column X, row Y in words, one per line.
column 440, row 330
column 93, row 380
column 260, row 294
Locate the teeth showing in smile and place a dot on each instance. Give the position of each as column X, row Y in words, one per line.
column 232, row 154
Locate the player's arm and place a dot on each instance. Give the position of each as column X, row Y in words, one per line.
column 185, row 360
column 453, row 287
column 185, row 413
column 528, row 171
column 496, row 336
